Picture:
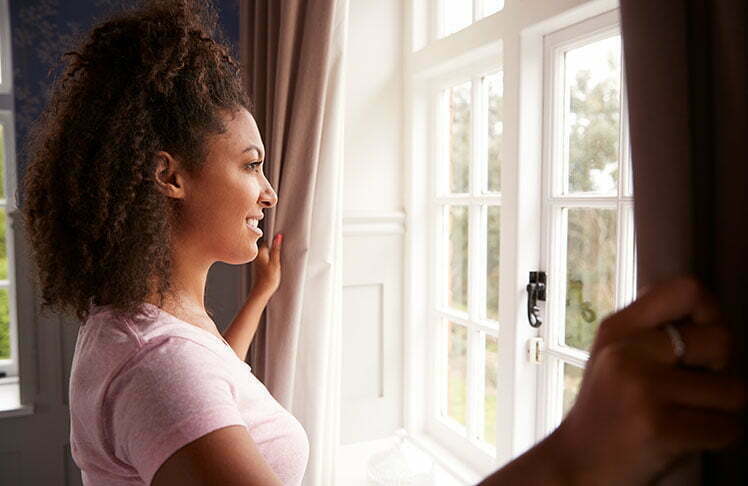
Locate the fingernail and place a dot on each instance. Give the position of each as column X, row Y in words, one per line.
column 279, row 237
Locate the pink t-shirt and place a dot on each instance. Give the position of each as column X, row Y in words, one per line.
column 141, row 390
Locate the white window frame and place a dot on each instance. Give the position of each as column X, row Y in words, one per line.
column 520, row 27
column 8, row 204
column 6, row 69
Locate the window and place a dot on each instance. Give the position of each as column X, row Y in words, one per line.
column 587, row 205
column 455, row 15
column 468, row 207
column 8, row 326
column 6, row 73
column 518, row 161
column 465, row 103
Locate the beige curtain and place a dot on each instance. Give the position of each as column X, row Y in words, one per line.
column 686, row 77
column 292, row 51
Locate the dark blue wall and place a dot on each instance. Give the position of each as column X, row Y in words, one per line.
column 42, row 30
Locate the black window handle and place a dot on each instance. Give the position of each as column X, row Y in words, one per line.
column 535, row 292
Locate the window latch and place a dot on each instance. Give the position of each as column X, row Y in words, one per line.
column 535, row 292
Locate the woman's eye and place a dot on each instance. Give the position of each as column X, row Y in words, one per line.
column 254, row 165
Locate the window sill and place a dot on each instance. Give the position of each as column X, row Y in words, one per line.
column 352, row 461
column 463, row 473
column 10, row 399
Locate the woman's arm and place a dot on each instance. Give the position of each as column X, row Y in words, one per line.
column 542, row 465
column 242, row 329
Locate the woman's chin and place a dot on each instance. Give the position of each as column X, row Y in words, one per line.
column 246, row 255
column 252, row 253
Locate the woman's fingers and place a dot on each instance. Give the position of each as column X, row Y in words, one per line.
column 694, row 429
column 701, row 389
column 705, row 346
column 262, row 253
column 276, row 250
column 681, row 298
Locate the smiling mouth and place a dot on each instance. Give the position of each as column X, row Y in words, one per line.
column 252, row 225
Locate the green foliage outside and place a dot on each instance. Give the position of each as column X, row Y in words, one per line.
column 4, row 312
column 591, row 237
column 4, row 325
column 572, row 380
column 457, row 366
column 2, row 163
column 460, row 132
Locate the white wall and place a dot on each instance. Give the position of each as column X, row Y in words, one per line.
column 373, row 116
column 373, row 222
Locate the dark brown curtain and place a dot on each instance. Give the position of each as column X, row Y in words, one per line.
column 685, row 63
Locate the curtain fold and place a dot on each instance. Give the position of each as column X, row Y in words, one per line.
column 292, row 53
column 685, row 63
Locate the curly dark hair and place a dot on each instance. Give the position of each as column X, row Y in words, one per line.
column 148, row 78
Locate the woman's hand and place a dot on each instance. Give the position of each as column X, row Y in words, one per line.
column 640, row 407
column 267, row 270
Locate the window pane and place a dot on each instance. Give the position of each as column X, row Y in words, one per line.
column 4, row 325
column 492, row 364
column 494, row 89
column 458, row 258
column 492, row 262
column 459, row 137
column 3, row 248
column 572, row 380
column 2, row 162
column 593, row 74
column 457, row 370
column 492, row 6
column 590, row 272
column 457, row 15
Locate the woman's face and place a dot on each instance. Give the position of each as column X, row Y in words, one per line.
column 223, row 204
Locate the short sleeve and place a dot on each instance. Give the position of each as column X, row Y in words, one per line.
column 169, row 394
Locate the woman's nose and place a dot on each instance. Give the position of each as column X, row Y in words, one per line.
column 268, row 197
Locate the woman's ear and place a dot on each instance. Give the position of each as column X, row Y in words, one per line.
column 168, row 176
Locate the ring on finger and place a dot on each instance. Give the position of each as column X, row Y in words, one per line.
column 676, row 339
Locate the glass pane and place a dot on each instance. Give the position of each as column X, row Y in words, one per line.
column 457, row 371
column 2, row 162
column 590, row 272
column 4, row 325
column 492, row 6
column 459, row 137
column 457, row 15
column 492, row 365
column 572, row 381
column 492, row 262
column 593, row 74
column 458, row 258
column 494, row 90
column 3, row 248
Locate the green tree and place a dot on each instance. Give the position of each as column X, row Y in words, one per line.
column 4, row 313
column 591, row 239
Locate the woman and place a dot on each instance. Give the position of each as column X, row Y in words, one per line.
column 147, row 168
